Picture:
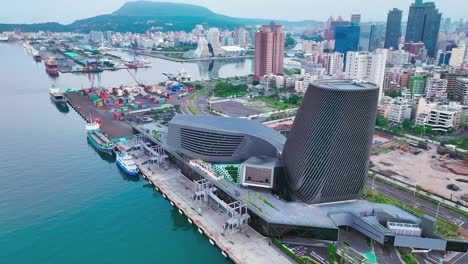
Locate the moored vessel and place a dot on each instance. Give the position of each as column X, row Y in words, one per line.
column 126, row 163
column 51, row 67
column 100, row 142
column 57, row 97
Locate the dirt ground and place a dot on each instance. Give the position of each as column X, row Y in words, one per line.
column 423, row 170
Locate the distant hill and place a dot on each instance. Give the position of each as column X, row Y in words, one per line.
column 142, row 15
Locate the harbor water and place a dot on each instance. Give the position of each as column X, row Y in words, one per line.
column 62, row 202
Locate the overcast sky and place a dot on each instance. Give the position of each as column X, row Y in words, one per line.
column 66, row 11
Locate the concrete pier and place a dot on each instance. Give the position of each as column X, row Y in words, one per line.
column 246, row 246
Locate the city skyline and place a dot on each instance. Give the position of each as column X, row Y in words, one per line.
column 14, row 12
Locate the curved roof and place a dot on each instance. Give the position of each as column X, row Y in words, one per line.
column 233, row 125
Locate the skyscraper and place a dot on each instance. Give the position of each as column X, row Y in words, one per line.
column 423, row 25
column 393, row 30
column 376, row 37
column 356, row 18
column 347, row 38
column 367, row 66
column 327, row 151
column 269, row 51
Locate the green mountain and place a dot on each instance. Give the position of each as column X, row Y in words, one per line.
column 143, row 15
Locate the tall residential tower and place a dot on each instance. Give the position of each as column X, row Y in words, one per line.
column 269, row 51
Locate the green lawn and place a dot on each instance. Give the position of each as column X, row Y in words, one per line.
column 274, row 102
column 193, row 110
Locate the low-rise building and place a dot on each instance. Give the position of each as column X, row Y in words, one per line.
column 400, row 109
column 436, row 88
column 445, row 117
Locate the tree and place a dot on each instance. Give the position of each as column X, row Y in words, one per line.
column 294, row 100
column 407, row 124
column 381, row 121
column 198, row 86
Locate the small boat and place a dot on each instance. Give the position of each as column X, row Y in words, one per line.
column 57, row 97
column 127, row 164
column 100, row 142
column 92, row 126
column 37, row 58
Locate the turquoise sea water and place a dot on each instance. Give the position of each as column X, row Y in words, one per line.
column 60, row 201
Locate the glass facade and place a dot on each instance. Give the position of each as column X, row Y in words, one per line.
column 393, row 31
column 347, row 38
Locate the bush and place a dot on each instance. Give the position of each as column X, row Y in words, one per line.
column 288, row 252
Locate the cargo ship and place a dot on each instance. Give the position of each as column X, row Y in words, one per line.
column 57, row 97
column 100, row 142
column 51, row 67
column 134, row 65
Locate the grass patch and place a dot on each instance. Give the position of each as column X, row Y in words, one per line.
column 261, row 198
column 288, row 252
column 227, row 90
column 408, row 258
column 443, row 228
column 193, row 110
column 275, row 102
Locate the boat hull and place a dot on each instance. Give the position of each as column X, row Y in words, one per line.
column 124, row 169
column 109, row 151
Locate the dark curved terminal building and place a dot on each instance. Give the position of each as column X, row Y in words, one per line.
column 322, row 165
column 327, row 152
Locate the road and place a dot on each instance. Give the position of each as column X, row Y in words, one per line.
column 416, row 202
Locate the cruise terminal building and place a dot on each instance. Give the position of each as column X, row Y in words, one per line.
column 319, row 171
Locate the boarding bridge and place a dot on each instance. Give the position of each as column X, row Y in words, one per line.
column 236, row 212
column 156, row 153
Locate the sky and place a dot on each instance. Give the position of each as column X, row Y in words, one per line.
column 67, row 11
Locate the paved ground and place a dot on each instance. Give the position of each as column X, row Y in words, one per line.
column 419, row 203
column 235, row 109
column 111, row 127
column 247, row 246
column 386, row 254
column 423, row 169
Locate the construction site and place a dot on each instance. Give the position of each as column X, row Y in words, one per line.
column 428, row 167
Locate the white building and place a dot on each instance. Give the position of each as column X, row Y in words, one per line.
column 299, row 87
column 398, row 57
column 421, row 120
column 436, row 88
column 445, row 117
column 367, row 67
column 96, row 36
column 400, row 109
column 241, row 37
column 334, row 63
column 458, row 56
column 213, row 40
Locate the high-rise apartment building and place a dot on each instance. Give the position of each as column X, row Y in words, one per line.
column 269, row 51
column 334, row 63
column 376, row 37
column 366, row 66
column 393, row 30
column 347, row 38
column 331, row 27
column 423, row 25
column 241, row 37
